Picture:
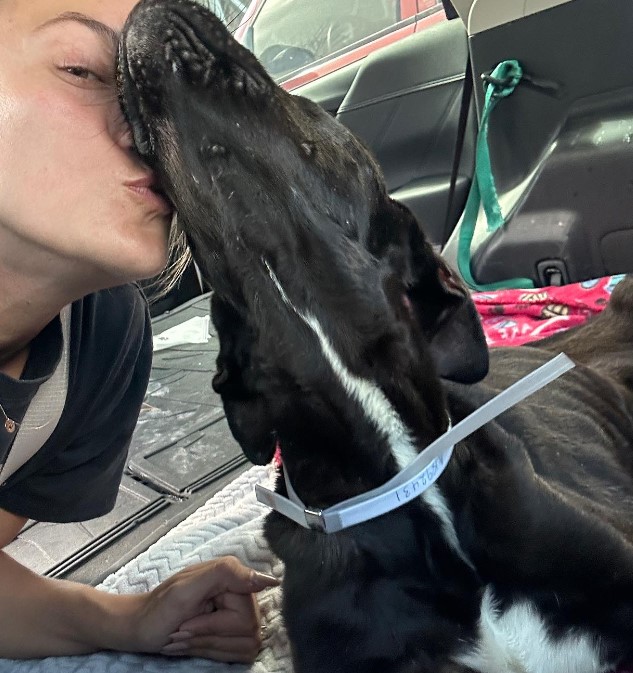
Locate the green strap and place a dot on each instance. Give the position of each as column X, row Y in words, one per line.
column 502, row 82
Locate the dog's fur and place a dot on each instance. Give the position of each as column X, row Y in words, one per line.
column 521, row 557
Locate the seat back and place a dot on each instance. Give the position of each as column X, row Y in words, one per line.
column 404, row 102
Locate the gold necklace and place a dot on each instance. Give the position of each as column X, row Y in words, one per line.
column 9, row 424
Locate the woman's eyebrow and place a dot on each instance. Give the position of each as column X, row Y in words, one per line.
column 104, row 31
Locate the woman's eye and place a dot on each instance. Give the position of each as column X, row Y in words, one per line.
column 82, row 73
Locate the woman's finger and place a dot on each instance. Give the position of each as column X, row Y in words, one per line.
column 221, row 575
column 241, row 619
column 243, row 603
column 220, row 648
column 221, row 623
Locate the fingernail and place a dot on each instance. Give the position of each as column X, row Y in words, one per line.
column 175, row 647
column 261, row 581
column 181, row 635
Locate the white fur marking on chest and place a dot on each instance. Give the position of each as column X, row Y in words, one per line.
column 435, row 499
column 517, row 641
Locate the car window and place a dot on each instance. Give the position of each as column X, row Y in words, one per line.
column 230, row 12
column 290, row 34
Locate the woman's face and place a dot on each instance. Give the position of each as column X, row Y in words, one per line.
column 71, row 190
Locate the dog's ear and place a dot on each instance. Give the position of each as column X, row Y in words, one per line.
column 447, row 313
column 458, row 343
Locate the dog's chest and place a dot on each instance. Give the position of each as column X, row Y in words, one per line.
column 517, row 641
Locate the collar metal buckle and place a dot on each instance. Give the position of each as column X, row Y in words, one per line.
column 314, row 519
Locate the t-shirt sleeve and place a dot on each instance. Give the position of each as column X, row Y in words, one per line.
column 80, row 480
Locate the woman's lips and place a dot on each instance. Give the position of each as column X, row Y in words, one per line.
column 145, row 189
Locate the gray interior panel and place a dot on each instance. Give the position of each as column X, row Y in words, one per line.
column 427, row 198
column 330, row 91
column 182, row 440
column 565, row 152
column 404, row 103
column 485, row 14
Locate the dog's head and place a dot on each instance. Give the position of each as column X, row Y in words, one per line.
column 335, row 316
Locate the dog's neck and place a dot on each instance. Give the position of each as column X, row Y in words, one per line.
column 415, row 480
column 375, row 405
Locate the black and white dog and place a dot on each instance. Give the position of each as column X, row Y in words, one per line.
column 348, row 341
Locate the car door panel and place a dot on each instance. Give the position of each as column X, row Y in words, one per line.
column 562, row 157
column 331, row 90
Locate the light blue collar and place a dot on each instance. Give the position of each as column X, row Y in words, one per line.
column 420, row 474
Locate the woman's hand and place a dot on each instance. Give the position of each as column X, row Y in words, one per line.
column 207, row 610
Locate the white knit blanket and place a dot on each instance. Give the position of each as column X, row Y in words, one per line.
column 230, row 523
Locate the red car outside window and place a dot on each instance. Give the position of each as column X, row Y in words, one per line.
column 299, row 41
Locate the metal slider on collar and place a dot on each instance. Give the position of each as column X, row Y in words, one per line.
column 315, row 519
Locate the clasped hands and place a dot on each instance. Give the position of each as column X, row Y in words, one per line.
column 207, row 610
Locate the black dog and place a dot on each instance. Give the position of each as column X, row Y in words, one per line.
column 348, row 341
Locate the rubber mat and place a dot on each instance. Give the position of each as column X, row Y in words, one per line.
column 181, row 445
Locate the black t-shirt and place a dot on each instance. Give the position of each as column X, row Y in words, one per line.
column 76, row 474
